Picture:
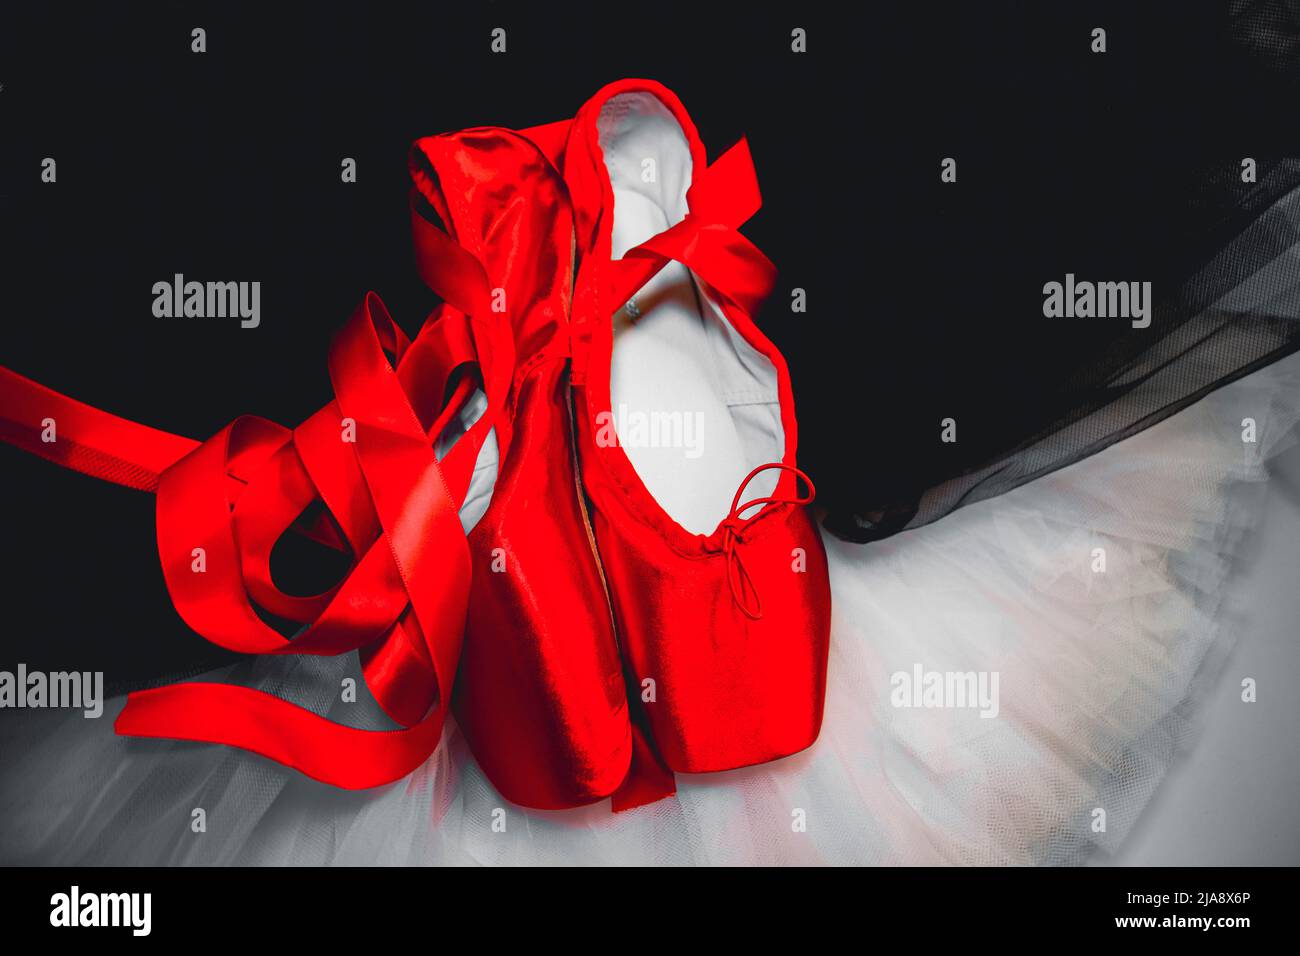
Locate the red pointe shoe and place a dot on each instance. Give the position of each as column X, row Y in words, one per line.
column 686, row 437
column 515, row 617
column 541, row 694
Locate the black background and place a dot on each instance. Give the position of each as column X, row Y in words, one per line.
column 924, row 298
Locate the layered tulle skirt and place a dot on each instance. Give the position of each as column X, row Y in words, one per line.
column 1008, row 685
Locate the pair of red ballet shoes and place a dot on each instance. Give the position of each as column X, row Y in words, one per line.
column 612, row 645
column 595, row 643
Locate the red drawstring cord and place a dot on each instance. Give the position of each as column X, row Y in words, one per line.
column 736, row 526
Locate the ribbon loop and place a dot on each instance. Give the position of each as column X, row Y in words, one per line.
column 403, row 600
column 448, row 268
column 222, row 505
column 735, row 528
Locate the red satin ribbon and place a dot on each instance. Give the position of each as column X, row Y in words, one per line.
column 721, row 199
column 393, row 504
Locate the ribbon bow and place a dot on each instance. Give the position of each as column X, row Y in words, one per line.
column 736, row 526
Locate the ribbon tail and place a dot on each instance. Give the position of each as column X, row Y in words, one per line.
column 286, row 733
column 448, row 269
column 727, row 191
column 85, row 439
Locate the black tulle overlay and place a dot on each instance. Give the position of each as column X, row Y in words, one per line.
column 1236, row 310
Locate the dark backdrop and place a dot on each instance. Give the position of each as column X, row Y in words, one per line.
column 924, row 299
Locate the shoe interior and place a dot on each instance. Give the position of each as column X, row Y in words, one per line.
column 484, row 477
column 694, row 405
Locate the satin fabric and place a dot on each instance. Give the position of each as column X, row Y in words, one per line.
column 546, row 645
column 368, row 458
column 540, row 694
column 733, row 688
column 517, row 616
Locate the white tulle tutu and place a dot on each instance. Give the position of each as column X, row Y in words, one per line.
column 1097, row 677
